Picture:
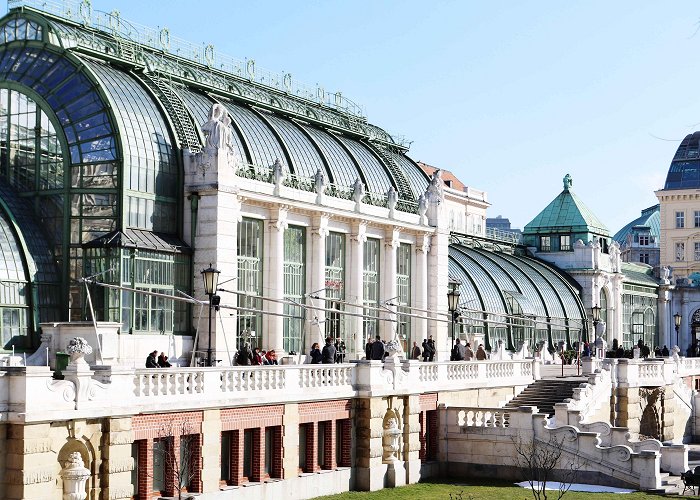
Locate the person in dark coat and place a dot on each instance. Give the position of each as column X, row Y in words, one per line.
column 458, row 351
column 151, row 360
column 415, row 352
column 426, row 350
column 433, row 351
column 368, row 349
column 315, row 354
column 378, row 349
column 163, row 361
column 244, row 356
column 328, row 352
column 664, row 352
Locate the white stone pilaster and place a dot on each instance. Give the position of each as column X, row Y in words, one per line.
column 316, row 327
column 438, row 269
column 387, row 329
column 420, row 289
column 215, row 219
column 355, row 290
column 274, row 281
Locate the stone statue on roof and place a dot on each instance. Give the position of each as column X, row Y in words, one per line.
column 278, row 175
column 358, row 191
column 568, row 182
column 434, row 192
column 215, row 129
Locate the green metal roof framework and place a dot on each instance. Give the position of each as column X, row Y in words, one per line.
column 122, row 111
column 493, row 281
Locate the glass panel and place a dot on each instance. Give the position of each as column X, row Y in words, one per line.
column 403, row 288
column 250, row 274
column 370, row 285
column 294, row 286
column 335, row 284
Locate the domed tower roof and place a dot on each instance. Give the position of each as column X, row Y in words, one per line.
column 650, row 219
column 566, row 213
column 684, row 172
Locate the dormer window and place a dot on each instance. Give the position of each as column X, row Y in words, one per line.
column 643, row 240
column 545, row 244
column 565, row 242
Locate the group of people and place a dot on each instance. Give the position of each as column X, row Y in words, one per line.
column 157, row 361
column 464, row 352
column 331, row 352
column 255, row 357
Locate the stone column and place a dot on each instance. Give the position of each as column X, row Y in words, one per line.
column 355, row 291
column 316, row 328
column 420, row 290
column 388, row 282
column 210, row 177
column 370, row 471
column 438, row 269
column 118, row 462
column 274, row 325
column 31, row 463
column 412, row 438
column 666, row 337
column 685, row 324
column 290, row 439
column 211, row 449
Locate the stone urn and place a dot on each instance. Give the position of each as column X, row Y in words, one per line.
column 393, row 347
column 74, row 475
column 390, row 437
column 77, row 348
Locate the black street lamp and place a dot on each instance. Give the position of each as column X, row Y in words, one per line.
column 595, row 311
column 677, row 320
column 452, row 303
column 211, row 280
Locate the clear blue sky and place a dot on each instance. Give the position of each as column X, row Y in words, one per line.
column 509, row 95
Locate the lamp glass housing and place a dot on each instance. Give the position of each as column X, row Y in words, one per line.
column 596, row 313
column 453, row 296
column 677, row 319
column 211, row 280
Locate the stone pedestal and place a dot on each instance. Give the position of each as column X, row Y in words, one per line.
column 395, row 474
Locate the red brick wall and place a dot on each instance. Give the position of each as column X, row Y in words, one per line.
column 144, row 486
column 258, row 459
column 432, row 449
column 311, row 447
column 251, row 417
column 329, row 446
column 324, row 410
column 427, row 402
column 236, row 462
column 345, row 459
column 151, row 426
column 421, row 436
column 196, row 463
column 277, row 453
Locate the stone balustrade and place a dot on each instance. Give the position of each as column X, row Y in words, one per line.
column 114, row 390
column 643, row 372
column 489, row 437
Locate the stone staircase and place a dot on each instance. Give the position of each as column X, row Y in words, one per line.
column 545, row 393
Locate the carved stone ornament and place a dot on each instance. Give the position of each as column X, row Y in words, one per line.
column 77, row 348
column 390, row 437
column 74, row 475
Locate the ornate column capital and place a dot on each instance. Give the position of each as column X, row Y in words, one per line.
column 360, row 232
column 320, row 228
column 393, row 238
column 278, row 218
column 423, row 243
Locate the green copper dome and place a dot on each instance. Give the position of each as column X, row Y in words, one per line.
column 566, row 214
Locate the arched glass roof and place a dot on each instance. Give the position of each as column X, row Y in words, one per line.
column 304, row 155
column 263, row 145
column 684, row 172
column 495, row 279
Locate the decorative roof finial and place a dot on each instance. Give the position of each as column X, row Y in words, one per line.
column 568, row 182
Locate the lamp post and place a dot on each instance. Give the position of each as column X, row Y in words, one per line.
column 677, row 320
column 211, row 279
column 452, row 302
column 595, row 310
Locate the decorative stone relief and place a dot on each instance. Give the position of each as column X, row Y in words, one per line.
column 651, row 402
column 39, row 358
column 74, row 475
column 422, row 210
column 391, row 437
